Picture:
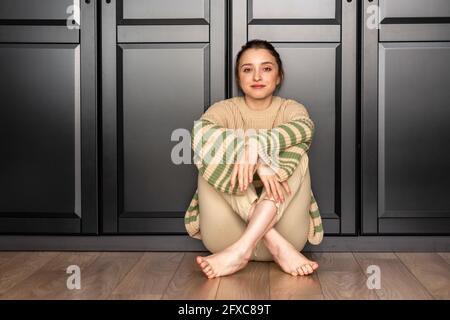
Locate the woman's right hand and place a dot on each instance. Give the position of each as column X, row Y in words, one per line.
column 273, row 187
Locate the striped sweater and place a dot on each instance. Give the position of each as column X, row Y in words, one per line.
column 283, row 134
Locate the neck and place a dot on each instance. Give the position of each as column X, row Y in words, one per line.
column 258, row 104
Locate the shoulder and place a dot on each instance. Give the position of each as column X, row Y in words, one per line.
column 293, row 108
column 219, row 112
column 221, row 105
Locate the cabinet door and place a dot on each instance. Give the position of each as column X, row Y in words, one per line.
column 163, row 64
column 405, row 117
column 48, row 160
column 317, row 44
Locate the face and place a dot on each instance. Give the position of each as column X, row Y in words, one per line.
column 258, row 73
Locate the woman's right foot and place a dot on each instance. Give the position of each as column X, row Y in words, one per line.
column 223, row 263
column 292, row 261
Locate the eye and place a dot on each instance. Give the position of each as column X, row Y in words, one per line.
column 268, row 68
column 246, row 69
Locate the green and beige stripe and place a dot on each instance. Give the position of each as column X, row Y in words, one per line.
column 216, row 149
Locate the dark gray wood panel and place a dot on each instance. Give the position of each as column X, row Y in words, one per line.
column 413, row 125
column 317, row 43
column 166, row 9
column 317, row 91
column 414, row 20
column 48, row 119
column 414, row 9
column 292, row 9
column 40, row 130
column 405, row 172
column 161, row 69
column 35, row 9
column 151, row 114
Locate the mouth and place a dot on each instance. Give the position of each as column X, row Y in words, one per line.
column 259, row 86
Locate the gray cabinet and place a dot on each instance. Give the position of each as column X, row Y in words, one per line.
column 163, row 64
column 91, row 104
column 48, row 121
column 405, row 118
column 317, row 44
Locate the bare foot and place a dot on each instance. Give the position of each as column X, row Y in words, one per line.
column 225, row 262
column 293, row 262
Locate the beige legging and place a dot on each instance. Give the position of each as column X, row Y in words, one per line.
column 224, row 217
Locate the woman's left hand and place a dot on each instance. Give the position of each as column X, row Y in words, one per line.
column 244, row 168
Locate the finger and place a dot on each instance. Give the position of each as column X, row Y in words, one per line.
column 286, row 187
column 250, row 173
column 241, row 177
column 279, row 190
column 245, row 174
column 273, row 189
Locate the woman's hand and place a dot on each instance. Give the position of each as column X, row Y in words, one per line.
column 272, row 186
column 244, row 168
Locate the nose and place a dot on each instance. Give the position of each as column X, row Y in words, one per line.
column 256, row 75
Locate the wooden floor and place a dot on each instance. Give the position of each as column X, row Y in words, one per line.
column 175, row 275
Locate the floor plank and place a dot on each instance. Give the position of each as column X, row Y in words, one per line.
column 21, row 266
column 431, row 270
column 101, row 277
column 189, row 281
column 284, row 286
column 445, row 256
column 397, row 282
column 149, row 278
column 250, row 283
column 50, row 281
column 5, row 256
column 341, row 277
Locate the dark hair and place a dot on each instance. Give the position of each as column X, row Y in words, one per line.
column 258, row 44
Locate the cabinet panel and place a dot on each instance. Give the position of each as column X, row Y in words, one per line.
column 317, row 43
column 158, row 78
column 47, row 120
column 35, row 9
column 405, row 172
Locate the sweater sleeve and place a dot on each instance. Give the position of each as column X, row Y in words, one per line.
column 282, row 147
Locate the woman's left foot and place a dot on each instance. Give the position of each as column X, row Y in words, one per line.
column 293, row 262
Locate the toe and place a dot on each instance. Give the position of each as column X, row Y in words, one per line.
column 300, row 271
column 310, row 269
column 294, row 273
column 315, row 265
column 305, row 270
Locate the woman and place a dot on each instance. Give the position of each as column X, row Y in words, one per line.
column 234, row 225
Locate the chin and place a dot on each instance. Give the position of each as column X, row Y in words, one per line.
column 258, row 95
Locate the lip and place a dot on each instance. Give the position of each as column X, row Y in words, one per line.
column 258, row 86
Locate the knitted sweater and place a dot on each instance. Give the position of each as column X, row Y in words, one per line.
column 287, row 137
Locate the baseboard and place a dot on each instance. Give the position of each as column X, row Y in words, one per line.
column 186, row 243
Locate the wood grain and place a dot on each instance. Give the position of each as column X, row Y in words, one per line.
column 189, row 281
column 101, row 277
column 21, row 266
column 284, row 286
column 149, row 278
column 431, row 270
column 341, row 277
column 397, row 282
column 445, row 256
column 50, row 281
column 250, row 283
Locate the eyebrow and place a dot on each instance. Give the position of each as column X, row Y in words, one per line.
column 249, row 64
